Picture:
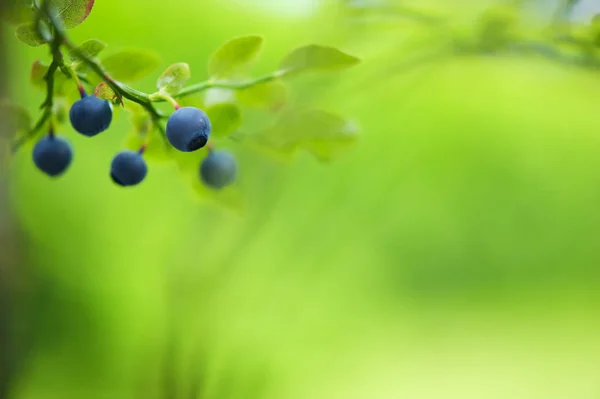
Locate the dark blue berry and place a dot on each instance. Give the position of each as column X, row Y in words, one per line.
column 52, row 155
column 188, row 129
column 91, row 115
column 218, row 169
column 128, row 168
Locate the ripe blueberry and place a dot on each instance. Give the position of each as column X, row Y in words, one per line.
column 188, row 129
column 90, row 115
column 218, row 169
column 52, row 155
column 128, row 168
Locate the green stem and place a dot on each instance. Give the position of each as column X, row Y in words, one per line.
column 211, row 84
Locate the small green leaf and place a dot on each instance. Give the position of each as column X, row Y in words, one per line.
column 270, row 95
column 104, row 92
column 131, row 65
column 72, row 12
column 225, row 119
column 28, row 34
column 15, row 119
column 174, row 78
column 316, row 58
column 90, row 49
column 234, row 55
column 17, row 12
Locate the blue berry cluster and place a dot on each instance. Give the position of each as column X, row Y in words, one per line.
column 188, row 129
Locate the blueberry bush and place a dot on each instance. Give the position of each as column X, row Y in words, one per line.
column 88, row 87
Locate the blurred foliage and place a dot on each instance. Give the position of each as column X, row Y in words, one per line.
column 452, row 252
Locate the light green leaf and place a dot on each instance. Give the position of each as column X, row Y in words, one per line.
column 90, row 48
column 234, row 55
column 316, row 58
column 28, row 34
column 225, row 119
column 131, row 65
column 321, row 133
column 72, row 12
column 174, row 78
column 270, row 95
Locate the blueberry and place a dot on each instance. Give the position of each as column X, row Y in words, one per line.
column 52, row 155
column 188, row 129
column 218, row 169
column 128, row 168
column 91, row 115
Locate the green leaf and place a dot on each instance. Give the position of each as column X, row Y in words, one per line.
column 316, row 58
column 225, row 119
column 104, row 92
column 174, row 78
column 270, row 95
column 90, row 48
column 321, row 133
column 131, row 65
column 72, row 12
column 234, row 55
column 28, row 34
column 15, row 119
column 17, row 12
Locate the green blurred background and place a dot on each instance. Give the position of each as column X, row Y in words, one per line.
column 452, row 253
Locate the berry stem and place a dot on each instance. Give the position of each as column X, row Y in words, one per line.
column 162, row 96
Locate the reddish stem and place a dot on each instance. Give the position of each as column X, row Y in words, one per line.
column 143, row 148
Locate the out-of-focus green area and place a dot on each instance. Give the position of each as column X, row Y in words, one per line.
column 453, row 253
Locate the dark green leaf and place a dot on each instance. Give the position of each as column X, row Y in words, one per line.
column 28, row 34
column 316, row 58
column 90, row 49
column 131, row 65
column 14, row 118
column 234, row 55
column 17, row 12
column 270, row 95
column 72, row 12
column 174, row 78
column 225, row 119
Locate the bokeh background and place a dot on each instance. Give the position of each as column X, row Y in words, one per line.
column 452, row 253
